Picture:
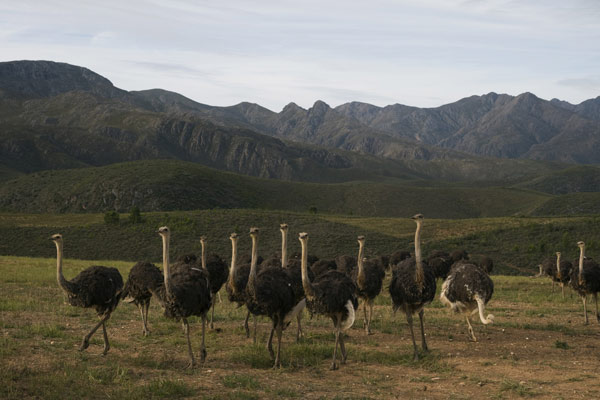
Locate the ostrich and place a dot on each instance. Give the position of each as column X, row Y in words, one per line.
column 332, row 294
column 586, row 280
column 184, row 292
column 563, row 272
column 346, row 264
column 369, row 280
column 270, row 293
column 237, row 281
column 293, row 269
column 217, row 274
column 467, row 289
column 441, row 261
column 398, row 256
column 143, row 276
column 413, row 286
column 95, row 287
column 548, row 268
column 322, row 266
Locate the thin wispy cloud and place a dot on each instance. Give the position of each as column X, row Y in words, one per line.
column 421, row 53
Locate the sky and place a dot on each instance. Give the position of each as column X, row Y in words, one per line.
column 422, row 53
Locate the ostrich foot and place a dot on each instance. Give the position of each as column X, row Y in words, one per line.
column 333, row 367
column 191, row 364
column 146, row 332
column 106, row 349
column 277, row 364
column 416, row 356
column 84, row 344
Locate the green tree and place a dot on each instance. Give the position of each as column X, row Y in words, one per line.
column 111, row 218
column 135, row 216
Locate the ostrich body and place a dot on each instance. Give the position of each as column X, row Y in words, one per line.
column 413, row 286
column 586, row 280
column 441, row 262
column 237, row 281
column 95, row 287
column 185, row 292
column 270, row 293
column 346, row 264
column 398, row 256
column 331, row 294
column 217, row 274
column 467, row 289
column 143, row 277
column 322, row 266
column 369, row 280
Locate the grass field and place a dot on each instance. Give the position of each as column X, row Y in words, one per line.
column 537, row 347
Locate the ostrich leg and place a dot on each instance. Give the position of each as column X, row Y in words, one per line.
column 246, row 328
column 270, row 341
column 203, row 346
column 409, row 319
column 584, row 298
column 473, row 338
column 277, row 363
column 370, row 317
column 86, row 339
column 424, row 343
column 186, row 328
column 106, row 344
column 337, row 340
column 299, row 333
column 212, row 315
column 146, row 307
column 343, row 348
column 596, row 302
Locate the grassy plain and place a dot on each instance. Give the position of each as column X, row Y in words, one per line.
column 538, row 347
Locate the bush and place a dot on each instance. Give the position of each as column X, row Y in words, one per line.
column 135, row 216
column 111, row 218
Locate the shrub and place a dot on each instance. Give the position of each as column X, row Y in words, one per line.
column 135, row 216
column 111, row 218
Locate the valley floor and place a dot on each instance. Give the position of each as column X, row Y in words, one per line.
column 537, row 347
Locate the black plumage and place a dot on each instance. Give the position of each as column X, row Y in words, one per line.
column 270, row 293
column 585, row 279
column 441, row 262
column 96, row 287
column 217, row 274
column 368, row 278
column 467, row 289
column 413, row 286
column 398, row 256
column 322, row 266
column 143, row 277
column 332, row 294
column 185, row 292
column 346, row 264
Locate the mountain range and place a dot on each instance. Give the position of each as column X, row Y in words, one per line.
column 56, row 116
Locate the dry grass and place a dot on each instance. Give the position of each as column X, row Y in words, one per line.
column 538, row 347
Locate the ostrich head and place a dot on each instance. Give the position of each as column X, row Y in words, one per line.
column 303, row 237
column 581, row 244
column 417, row 217
column 163, row 231
column 283, row 227
column 253, row 232
column 558, row 254
column 361, row 240
column 203, row 239
column 233, row 237
column 56, row 238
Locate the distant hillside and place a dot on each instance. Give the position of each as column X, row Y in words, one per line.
column 57, row 116
column 163, row 185
column 570, row 180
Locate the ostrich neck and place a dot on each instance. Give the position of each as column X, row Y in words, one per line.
column 284, row 249
column 62, row 282
column 361, row 268
column 166, row 270
column 558, row 265
column 581, row 257
column 419, row 273
column 306, row 284
column 203, row 256
column 253, row 262
column 233, row 268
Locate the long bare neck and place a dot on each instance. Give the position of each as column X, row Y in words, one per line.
column 233, row 268
column 581, row 257
column 558, row 265
column 284, row 259
column 166, row 269
column 253, row 262
column 360, row 277
column 306, row 284
column 203, row 244
column 419, row 273
column 62, row 282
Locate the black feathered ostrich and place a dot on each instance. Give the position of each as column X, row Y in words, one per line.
column 237, row 281
column 143, row 277
column 293, row 269
column 563, row 272
column 217, row 274
column 467, row 289
column 369, row 280
column 185, row 292
column 586, row 280
column 413, row 286
column 270, row 293
column 332, row 294
column 95, row 287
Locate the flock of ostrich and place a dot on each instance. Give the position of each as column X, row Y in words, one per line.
column 280, row 287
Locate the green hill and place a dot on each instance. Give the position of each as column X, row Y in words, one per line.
column 163, row 185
